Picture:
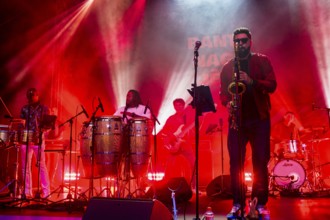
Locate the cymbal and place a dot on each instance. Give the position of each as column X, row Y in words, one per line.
column 315, row 129
column 319, row 139
column 17, row 120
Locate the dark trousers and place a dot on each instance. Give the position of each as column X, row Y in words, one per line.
column 257, row 132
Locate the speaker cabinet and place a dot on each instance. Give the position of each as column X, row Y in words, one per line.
column 220, row 187
column 100, row 208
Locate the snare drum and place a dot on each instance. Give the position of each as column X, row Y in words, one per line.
column 140, row 133
column 289, row 174
column 108, row 142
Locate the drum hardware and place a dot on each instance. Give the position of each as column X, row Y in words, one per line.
column 14, row 181
column 92, row 148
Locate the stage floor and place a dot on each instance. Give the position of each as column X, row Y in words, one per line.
column 280, row 207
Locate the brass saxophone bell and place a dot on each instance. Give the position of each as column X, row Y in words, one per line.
column 232, row 88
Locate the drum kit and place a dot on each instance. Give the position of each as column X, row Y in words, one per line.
column 294, row 168
column 109, row 148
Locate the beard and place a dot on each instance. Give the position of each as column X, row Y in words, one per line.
column 243, row 52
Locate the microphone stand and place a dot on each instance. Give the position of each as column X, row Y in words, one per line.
column 91, row 181
column 203, row 102
column 23, row 196
column 70, row 121
column 238, row 122
column 196, row 54
column 154, row 119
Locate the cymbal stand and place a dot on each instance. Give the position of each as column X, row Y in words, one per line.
column 328, row 111
column 315, row 184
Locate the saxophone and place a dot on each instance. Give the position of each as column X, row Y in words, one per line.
column 236, row 88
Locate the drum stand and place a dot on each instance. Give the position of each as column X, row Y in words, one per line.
column 14, row 181
column 91, row 187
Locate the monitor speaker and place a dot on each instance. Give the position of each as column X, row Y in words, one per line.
column 179, row 185
column 219, row 187
column 100, row 208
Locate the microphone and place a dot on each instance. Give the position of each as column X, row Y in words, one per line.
column 197, row 45
column 85, row 112
column 100, row 104
column 145, row 109
column 293, row 178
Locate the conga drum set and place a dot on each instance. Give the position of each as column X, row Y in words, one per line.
column 11, row 137
column 293, row 168
column 109, row 149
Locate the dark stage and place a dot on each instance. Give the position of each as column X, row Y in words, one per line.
column 280, row 206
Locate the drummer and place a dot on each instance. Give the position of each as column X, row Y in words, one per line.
column 286, row 137
column 33, row 112
column 134, row 107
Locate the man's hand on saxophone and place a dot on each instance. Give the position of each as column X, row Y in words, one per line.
column 244, row 77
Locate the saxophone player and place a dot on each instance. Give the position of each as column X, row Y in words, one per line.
column 256, row 75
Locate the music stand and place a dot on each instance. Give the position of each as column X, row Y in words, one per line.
column 203, row 99
column 48, row 122
column 202, row 102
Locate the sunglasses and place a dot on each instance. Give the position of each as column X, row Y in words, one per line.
column 243, row 40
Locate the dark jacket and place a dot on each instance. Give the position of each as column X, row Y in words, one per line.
column 264, row 82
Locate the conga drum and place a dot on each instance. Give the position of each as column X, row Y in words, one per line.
column 4, row 135
column 33, row 137
column 140, row 133
column 86, row 152
column 108, row 141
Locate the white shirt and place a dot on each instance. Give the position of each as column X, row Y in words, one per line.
column 139, row 111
